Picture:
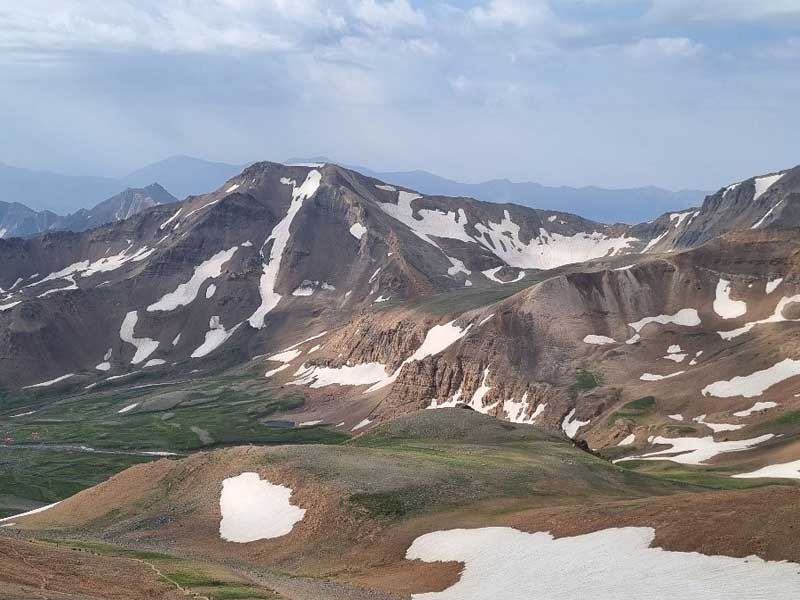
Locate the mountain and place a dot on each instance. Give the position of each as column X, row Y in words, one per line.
column 391, row 387
column 43, row 190
column 17, row 220
column 184, row 175
column 67, row 194
column 626, row 205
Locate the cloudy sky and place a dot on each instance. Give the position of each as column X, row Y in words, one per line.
column 677, row 93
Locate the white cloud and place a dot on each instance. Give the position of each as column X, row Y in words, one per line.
column 723, row 10
column 663, row 47
column 388, row 15
column 517, row 13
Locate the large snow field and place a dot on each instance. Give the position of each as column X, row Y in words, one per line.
column 756, row 383
column 613, row 564
column 789, row 470
column 696, row 450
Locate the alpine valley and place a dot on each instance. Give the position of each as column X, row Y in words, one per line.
column 314, row 384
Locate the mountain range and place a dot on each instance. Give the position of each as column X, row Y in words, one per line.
column 387, row 382
column 184, row 176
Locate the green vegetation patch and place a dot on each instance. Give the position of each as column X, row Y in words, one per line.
column 31, row 477
column 635, row 410
column 586, row 381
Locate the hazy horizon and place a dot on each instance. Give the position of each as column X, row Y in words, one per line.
column 675, row 94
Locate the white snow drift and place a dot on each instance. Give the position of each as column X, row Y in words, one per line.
column 186, row 293
column 696, row 451
column 724, row 306
column 756, row 383
column 613, row 564
column 255, row 509
column 280, row 238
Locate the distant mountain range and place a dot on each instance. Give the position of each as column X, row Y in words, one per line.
column 184, row 176
column 17, row 220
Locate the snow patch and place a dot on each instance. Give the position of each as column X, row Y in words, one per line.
column 757, row 407
column 612, row 564
column 762, row 184
column 599, row 340
column 215, row 337
column 773, row 284
column 186, row 293
column 255, row 509
column 144, row 346
column 724, row 306
column 357, row 230
column 280, row 238
column 696, row 451
column 50, row 382
column 789, row 470
column 756, row 383
column 570, row 427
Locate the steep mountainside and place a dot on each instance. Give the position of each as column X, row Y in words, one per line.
column 372, row 301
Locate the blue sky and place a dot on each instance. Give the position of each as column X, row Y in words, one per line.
column 675, row 93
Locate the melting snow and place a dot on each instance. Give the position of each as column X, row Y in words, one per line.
column 790, row 470
column 170, row 220
column 676, row 417
column 757, row 407
column 628, row 440
column 215, row 337
column 492, row 274
column 186, row 293
column 776, row 317
column 772, row 284
column 155, row 362
column 276, row 370
column 361, row 425
column 717, row 427
column 128, row 408
column 764, row 183
column 357, row 230
column 50, row 382
column 318, row 377
column 724, row 306
column 255, row 509
column 696, row 451
column 144, row 346
column 280, row 237
column 599, row 340
column 571, row 427
column 210, row 290
column 756, row 383
column 686, row 317
column 30, row 512
column 233, row 188
column 386, row 188
column 612, row 564
column 654, row 377
column 4, row 307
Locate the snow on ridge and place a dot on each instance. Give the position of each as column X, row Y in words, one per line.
column 756, row 383
column 724, row 306
column 356, row 375
column 763, row 184
column 767, row 214
column 170, row 220
column 186, row 293
column 144, row 346
column 255, row 509
column 280, row 237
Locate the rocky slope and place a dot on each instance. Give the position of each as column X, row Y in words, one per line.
column 374, row 301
